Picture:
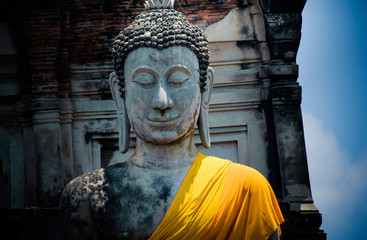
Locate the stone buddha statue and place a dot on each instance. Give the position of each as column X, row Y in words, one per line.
column 167, row 190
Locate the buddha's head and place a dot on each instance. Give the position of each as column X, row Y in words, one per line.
column 162, row 82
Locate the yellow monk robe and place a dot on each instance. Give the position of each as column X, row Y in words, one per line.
column 219, row 199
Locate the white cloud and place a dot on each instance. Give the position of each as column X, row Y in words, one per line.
column 338, row 183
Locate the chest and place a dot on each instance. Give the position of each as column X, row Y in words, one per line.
column 135, row 204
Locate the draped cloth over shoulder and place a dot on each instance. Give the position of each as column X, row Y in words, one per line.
column 219, row 199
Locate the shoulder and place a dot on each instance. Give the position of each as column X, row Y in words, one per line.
column 248, row 177
column 83, row 188
column 81, row 197
column 241, row 170
column 252, row 178
column 251, row 173
column 245, row 177
column 91, row 187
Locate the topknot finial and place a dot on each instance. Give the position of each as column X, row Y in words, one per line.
column 159, row 4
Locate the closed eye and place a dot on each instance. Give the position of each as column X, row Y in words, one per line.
column 178, row 82
column 144, row 79
column 178, row 77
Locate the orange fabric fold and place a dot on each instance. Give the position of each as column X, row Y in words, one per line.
column 221, row 200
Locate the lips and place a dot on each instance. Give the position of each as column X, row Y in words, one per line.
column 162, row 119
column 157, row 121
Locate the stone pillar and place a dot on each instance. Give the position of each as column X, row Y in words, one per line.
column 47, row 140
column 30, row 161
column 272, row 149
column 66, row 119
column 12, row 182
column 282, row 99
column 303, row 219
column 11, row 159
column 286, row 99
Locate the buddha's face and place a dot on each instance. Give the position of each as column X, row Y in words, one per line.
column 162, row 93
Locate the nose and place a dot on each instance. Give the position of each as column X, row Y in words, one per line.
column 162, row 101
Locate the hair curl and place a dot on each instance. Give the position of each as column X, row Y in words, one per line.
column 160, row 28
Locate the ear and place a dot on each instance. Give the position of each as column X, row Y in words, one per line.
column 203, row 122
column 209, row 87
column 123, row 124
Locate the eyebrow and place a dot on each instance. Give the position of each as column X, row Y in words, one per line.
column 143, row 69
column 179, row 68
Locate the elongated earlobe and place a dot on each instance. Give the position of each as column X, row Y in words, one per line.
column 203, row 121
column 203, row 126
column 122, row 119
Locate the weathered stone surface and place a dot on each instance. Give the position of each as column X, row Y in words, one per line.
column 51, row 179
column 136, row 208
column 259, row 27
column 283, row 49
column 302, row 222
column 66, row 134
column 255, row 7
column 284, row 71
column 283, row 26
column 236, row 26
column 292, row 152
column 233, row 51
column 239, row 28
column 281, row 6
column 286, row 94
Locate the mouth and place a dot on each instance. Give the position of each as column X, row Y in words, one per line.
column 163, row 122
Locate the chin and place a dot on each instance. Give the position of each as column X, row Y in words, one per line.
column 166, row 136
column 163, row 137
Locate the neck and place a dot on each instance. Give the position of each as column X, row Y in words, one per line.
column 176, row 155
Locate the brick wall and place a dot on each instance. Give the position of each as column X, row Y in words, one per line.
column 94, row 26
column 42, row 37
column 60, row 33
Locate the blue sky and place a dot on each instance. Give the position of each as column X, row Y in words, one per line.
column 333, row 74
